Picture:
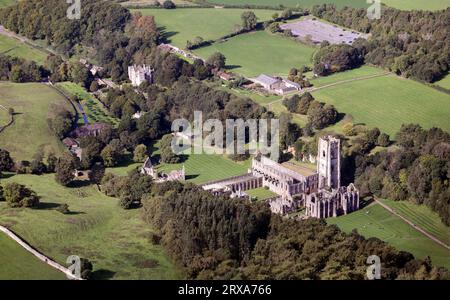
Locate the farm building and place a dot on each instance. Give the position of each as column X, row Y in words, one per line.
column 276, row 85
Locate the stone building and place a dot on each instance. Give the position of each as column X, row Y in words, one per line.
column 140, row 74
column 149, row 169
column 318, row 191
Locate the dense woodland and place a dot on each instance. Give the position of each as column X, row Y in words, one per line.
column 419, row 170
column 411, row 43
column 218, row 238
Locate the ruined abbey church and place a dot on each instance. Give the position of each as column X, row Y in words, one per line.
column 319, row 193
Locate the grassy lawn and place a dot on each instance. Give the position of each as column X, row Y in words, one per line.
column 185, row 24
column 19, row 264
column 444, row 82
column 4, row 117
column 375, row 221
column 200, row 168
column 259, row 52
column 92, row 107
column 13, row 47
column 423, row 217
column 363, row 71
column 388, row 102
column 117, row 241
column 418, row 4
column 261, row 194
column 30, row 131
column 4, row 3
column 292, row 3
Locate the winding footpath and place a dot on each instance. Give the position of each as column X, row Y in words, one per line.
column 39, row 255
column 416, row 227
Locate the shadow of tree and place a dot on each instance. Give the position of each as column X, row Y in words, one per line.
column 102, row 274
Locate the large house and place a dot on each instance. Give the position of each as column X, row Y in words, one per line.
column 319, row 192
column 140, row 74
column 277, row 85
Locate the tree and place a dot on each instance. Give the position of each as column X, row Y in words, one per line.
column 217, row 60
column 169, row 4
column 6, row 162
column 2, row 198
column 65, row 169
column 94, row 86
column 383, row 140
column 286, row 14
column 63, row 208
column 17, row 195
column 249, row 20
column 140, row 153
column 112, row 153
column 97, row 172
column 51, row 162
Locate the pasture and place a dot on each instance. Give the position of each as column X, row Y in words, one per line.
column 32, row 103
column 19, row 264
column 4, row 3
column 181, row 25
column 375, row 221
column 259, row 52
column 12, row 47
column 444, row 82
column 361, row 72
column 292, row 3
column 418, row 4
column 117, row 241
column 388, row 102
column 422, row 216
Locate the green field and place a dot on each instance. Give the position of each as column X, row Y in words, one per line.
column 444, row 82
column 185, row 24
column 4, row 117
column 261, row 194
column 117, row 241
column 292, row 3
column 400, row 4
column 4, row 3
column 418, row 4
column 13, row 47
column 94, row 110
column 375, row 221
column 388, row 102
column 19, row 264
column 361, row 72
column 423, row 217
column 30, row 131
column 259, row 52
column 200, row 168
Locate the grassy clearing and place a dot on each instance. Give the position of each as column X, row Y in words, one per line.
column 259, row 52
column 185, row 24
column 30, row 132
column 200, row 168
column 261, row 194
column 92, row 106
column 418, row 4
column 444, row 82
column 13, row 47
column 4, row 3
column 423, row 217
column 292, row 3
column 388, row 102
column 4, row 117
column 19, row 264
column 117, row 241
column 363, row 71
column 375, row 221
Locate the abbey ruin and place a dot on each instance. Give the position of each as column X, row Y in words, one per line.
column 319, row 193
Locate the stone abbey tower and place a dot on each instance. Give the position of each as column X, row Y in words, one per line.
column 329, row 162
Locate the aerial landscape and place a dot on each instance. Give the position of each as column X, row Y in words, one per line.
column 225, row 140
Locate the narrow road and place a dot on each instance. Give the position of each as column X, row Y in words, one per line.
column 416, row 227
column 313, row 89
